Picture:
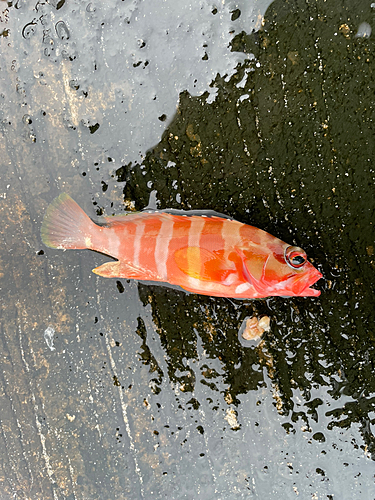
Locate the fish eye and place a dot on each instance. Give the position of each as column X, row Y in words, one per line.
column 295, row 257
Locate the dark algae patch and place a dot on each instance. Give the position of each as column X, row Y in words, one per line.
column 287, row 145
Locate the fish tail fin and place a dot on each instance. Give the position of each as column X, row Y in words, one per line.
column 66, row 225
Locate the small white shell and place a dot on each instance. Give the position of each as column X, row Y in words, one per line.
column 254, row 327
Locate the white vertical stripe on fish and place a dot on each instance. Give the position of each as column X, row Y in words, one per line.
column 139, row 231
column 230, row 232
column 162, row 246
column 195, row 232
column 112, row 246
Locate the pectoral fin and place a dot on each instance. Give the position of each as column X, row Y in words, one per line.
column 202, row 264
column 119, row 269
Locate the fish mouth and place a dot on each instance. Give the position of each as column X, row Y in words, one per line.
column 310, row 292
column 302, row 285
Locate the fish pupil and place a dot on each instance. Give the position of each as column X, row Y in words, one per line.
column 298, row 260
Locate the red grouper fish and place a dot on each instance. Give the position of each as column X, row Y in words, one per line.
column 210, row 255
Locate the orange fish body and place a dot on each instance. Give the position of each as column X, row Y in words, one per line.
column 209, row 255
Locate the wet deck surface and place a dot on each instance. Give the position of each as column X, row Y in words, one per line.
column 112, row 389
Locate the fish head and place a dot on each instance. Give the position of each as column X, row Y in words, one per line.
column 281, row 270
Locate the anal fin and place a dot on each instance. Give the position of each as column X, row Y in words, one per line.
column 120, row 269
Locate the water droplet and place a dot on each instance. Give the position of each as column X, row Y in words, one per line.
column 62, row 30
column 235, row 14
column 20, row 89
column 73, row 84
column 47, row 39
column 29, row 30
column 319, row 436
column 65, row 54
column 364, row 31
column 19, row 4
column 68, row 123
column 39, row 6
column 27, row 119
column 90, row 8
column 56, row 3
column 94, row 128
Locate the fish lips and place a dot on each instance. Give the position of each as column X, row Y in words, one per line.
column 300, row 285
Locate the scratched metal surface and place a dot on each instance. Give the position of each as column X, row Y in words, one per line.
column 117, row 390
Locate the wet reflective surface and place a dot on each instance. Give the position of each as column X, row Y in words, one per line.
column 116, row 389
